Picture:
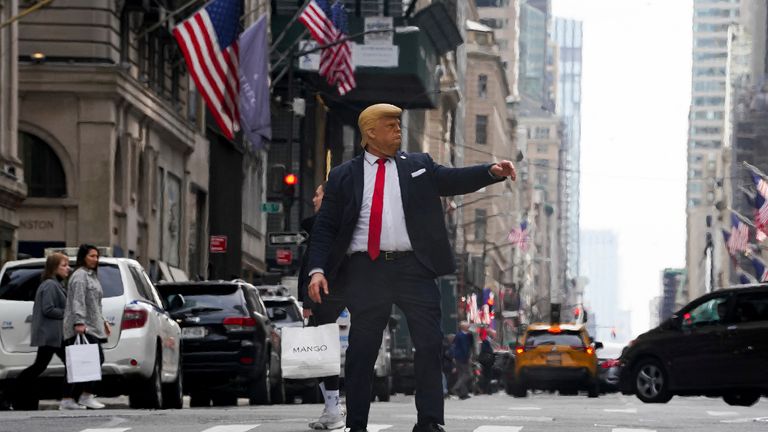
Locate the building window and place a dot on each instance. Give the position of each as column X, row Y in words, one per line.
column 481, row 129
column 482, row 86
column 542, row 148
column 118, row 174
column 541, row 133
column 43, row 171
column 480, row 223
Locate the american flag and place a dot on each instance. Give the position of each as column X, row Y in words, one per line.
column 520, row 236
column 739, row 236
column 761, row 205
column 208, row 40
column 761, row 270
column 328, row 25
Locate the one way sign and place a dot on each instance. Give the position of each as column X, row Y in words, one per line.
column 287, row 238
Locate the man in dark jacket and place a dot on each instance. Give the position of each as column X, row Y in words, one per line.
column 326, row 312
column 381, row 234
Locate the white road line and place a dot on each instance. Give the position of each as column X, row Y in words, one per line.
column 524, row 408
column 722, row 413
column 622, row 410
column 370, row 428
column 232, row 428
column 106, row 430
column 499, row 429
column 631, row 430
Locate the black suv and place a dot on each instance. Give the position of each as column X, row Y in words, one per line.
column 715, row 346
column 228, row 341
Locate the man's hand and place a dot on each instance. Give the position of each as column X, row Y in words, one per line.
column 504, row 168
column 107, row 328
column 317, row 283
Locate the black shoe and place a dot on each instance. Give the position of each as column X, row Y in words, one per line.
column 429, row 427
column 358, row 430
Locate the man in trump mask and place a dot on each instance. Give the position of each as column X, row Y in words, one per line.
column 380, row 236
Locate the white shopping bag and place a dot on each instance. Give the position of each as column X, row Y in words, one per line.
column 310, row 352
column 83, row 362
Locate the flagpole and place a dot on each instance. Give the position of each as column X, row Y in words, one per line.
column 755, row 170
column 287, row 26
column 742, row 218
column 26, row 12
column 160, row 23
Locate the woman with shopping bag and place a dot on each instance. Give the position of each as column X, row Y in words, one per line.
column 84, row 322
column 47, row 315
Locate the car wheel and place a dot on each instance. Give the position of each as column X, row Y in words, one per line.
column 744, row 398
column 259, row 392
column 278, row 392
column 383, row 388
column 224, row 399
column 149, row 394
column 199, row 399
column 173, row 392
column 594, row 389
column 519, row 390
column 651, row 382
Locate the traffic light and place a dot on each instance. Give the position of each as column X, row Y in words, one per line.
column 289, row 189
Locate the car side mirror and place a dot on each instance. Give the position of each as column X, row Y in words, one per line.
column 177, row 302
column 598, row 345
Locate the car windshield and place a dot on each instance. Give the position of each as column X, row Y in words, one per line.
column 282, row 312
column 21, row 283
column 196, row 299
column 544, row 337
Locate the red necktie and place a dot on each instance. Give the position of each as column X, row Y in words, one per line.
column 377, row 205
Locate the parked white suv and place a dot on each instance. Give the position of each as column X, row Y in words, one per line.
column 142, row 355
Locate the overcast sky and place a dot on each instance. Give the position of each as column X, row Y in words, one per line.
column 635, row 97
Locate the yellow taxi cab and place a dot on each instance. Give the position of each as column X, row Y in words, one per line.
column 556, row 357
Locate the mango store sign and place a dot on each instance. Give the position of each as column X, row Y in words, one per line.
column 381, row 56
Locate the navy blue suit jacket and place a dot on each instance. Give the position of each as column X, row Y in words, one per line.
column 424, row 214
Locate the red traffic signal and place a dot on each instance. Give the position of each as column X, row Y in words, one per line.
column 290, row 179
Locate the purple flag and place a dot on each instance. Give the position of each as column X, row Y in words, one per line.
column 254, row 84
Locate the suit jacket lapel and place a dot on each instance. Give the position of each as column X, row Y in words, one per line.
column 402, row 174
column 358, row 180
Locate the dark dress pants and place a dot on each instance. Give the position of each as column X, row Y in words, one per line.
column 328, row 312
column 372, row 287
column 25, row 396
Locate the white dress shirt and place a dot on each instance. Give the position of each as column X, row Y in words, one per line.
column 394, row 235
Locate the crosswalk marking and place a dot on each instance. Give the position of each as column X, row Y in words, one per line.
column 370, row 428
column 499, row 429
column 721, row 413
column 106, row 430
column 631, row 430
column 622, row 410
column 232, row 428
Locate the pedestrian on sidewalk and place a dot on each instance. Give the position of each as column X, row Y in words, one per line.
column 47, row 336
column 319, row 314
column 83, row 316
column 463, row 352
column 381, row 235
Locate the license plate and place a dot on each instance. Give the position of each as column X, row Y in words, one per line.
column 554, row 360
column 193, row 332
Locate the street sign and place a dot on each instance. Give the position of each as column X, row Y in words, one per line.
column 218, row 244
column 272, row 207
column 284, row 256
column 287, row 238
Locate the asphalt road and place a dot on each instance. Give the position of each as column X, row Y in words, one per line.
column 495, row 413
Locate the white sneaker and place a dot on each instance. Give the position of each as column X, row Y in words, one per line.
column 70, row 404
column 90, row 402
column 328, row 421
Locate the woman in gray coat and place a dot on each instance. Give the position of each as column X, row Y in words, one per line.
column 47, row 313
column 83, row 314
